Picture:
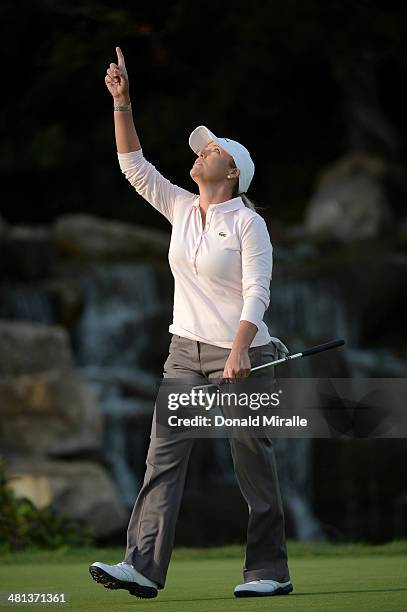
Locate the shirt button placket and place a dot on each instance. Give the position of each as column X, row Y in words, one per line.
column 194, row 269
column 193, row 259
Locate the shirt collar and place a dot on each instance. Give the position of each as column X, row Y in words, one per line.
column 229, row 205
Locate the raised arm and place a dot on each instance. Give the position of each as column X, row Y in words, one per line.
column 141, row 174
column 117, row 82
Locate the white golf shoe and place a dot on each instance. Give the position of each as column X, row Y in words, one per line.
column 261, row 588
column 123, row 576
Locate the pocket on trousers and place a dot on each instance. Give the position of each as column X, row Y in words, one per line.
column 262, row 354
column 174, row 339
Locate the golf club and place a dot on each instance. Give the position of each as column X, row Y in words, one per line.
column 305, row 353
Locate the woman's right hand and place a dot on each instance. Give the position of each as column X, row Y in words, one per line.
column 117, row 80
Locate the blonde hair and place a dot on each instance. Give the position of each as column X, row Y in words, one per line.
column 246, row 201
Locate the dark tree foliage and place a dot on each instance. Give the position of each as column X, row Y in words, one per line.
column 299, row 83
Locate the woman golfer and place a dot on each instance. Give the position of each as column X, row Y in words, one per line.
column 221, row 258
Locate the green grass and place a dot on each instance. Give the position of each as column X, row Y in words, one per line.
column 325, row 577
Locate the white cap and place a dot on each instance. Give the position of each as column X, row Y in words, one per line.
column 200, row 137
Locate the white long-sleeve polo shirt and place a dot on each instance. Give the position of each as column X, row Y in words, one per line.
column 222, row 272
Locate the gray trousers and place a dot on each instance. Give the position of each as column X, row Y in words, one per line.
column 151, row 529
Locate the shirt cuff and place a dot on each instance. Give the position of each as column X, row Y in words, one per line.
column 127, row 159
column 253, row 310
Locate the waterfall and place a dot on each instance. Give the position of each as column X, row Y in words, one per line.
column 301, row 309
column 25, row 302
column 112, row 337
column 120, row 300
column 309, row 307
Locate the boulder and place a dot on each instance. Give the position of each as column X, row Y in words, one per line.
column 83, row 491
column 46, row 409
column 27, row 348
column 351, row 201
column 89, row 237
column 48, row 414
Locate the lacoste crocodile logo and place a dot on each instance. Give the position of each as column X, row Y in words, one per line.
column 222, row 234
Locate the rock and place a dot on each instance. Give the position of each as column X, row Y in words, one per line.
column 49, row 413
column 27, row 348
column 66, row 296
column 83, row 491
column 89, row 237
column 350, row 202
column 46, row 408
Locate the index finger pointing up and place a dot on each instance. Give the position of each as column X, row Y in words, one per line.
column 120, row 57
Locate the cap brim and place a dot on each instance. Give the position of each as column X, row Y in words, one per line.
column 200, row 137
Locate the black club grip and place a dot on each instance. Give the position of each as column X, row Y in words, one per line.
column 322, row 347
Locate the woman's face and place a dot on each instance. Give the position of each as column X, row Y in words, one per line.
column 213, row 164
